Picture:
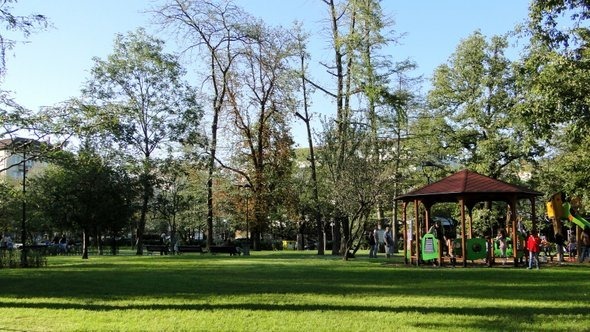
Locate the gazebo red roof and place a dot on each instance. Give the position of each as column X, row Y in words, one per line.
column 471, row 186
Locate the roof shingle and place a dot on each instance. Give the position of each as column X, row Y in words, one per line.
column 468, row 183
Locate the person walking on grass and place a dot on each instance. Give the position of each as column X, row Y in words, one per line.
column 560, row 246
column 533, row 246
column 585, row 244
column 372, row 244
column 389, row 243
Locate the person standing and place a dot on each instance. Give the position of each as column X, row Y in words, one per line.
column 533, row 246
column 450, row 237
column 437, row 230
column 559, row 245
column 389, row 243
column 572, row 246
column 372, row 244
column 502, row 245
column 8, row 242
column 63, row 244
column 584, row 244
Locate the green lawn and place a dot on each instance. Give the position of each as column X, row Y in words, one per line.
column 288, row 291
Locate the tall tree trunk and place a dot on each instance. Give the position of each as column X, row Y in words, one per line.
column 142, row 219
column 314, row 181
column 336, row 235
column 346, row 238
column 211, row 170
column 173, row 235
column 218, row 99
column 85, row 243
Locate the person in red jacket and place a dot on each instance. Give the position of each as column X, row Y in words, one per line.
column 533, row 246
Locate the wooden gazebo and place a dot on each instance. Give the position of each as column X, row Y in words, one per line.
column 467, row 188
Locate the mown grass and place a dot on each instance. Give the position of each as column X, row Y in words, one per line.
column 288, row 291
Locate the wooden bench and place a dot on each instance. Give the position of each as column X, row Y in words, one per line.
column 231, row 250
column 190, row 248
column 161, row 248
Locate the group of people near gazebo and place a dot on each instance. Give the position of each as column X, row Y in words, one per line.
column 534, row 245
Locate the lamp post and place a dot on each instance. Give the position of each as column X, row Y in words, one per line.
column 247, row 219
column 24, row 215
column 332, row 226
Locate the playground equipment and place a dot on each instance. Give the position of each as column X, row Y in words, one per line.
column 510, row 248
column 475, row 248
column 429, row 247
column 581, row 222
column 467, row 189
column 557, row 210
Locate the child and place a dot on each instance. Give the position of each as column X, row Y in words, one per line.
column 501, row 238
column 571, row 246
column 533, row 246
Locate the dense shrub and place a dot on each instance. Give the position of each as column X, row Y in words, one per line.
column 12, row 258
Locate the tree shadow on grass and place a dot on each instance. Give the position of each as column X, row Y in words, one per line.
column 479, row 311
column 470, row 318
column 200, row 278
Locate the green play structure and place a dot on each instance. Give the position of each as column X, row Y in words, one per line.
column 509, row 248
column 467, row 189
column 429, row 247
column 476, row 248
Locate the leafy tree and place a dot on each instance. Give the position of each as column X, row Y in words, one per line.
column 555, row 74
column 260, row 97
column 83, row 193
column 361, row 75
column 559, row 24
column 9, row 206
column 15, row 119
column 138, row 96
column 554, row 78
column 477, row 96
column 215, row 30
column 566, row 169
column 193, row 220
column 172, row 197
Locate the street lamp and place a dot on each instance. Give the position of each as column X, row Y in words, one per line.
column 332, row 226
column 24, row 261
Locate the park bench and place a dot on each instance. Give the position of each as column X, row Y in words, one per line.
column 231, row 250
column 190, row 248
column 161, row 248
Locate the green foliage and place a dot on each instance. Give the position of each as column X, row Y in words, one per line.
column 174, row 199
column 484, row 220
column 138, row 99
column 10, row 206
column 12, row 258
column 559, row 24
column 555, row 75
column 566, row 170
column 477, row 96
column 138, row 96
column 357, row 157
column 82, row 194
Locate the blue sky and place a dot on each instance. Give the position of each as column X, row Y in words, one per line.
column 53, row 66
